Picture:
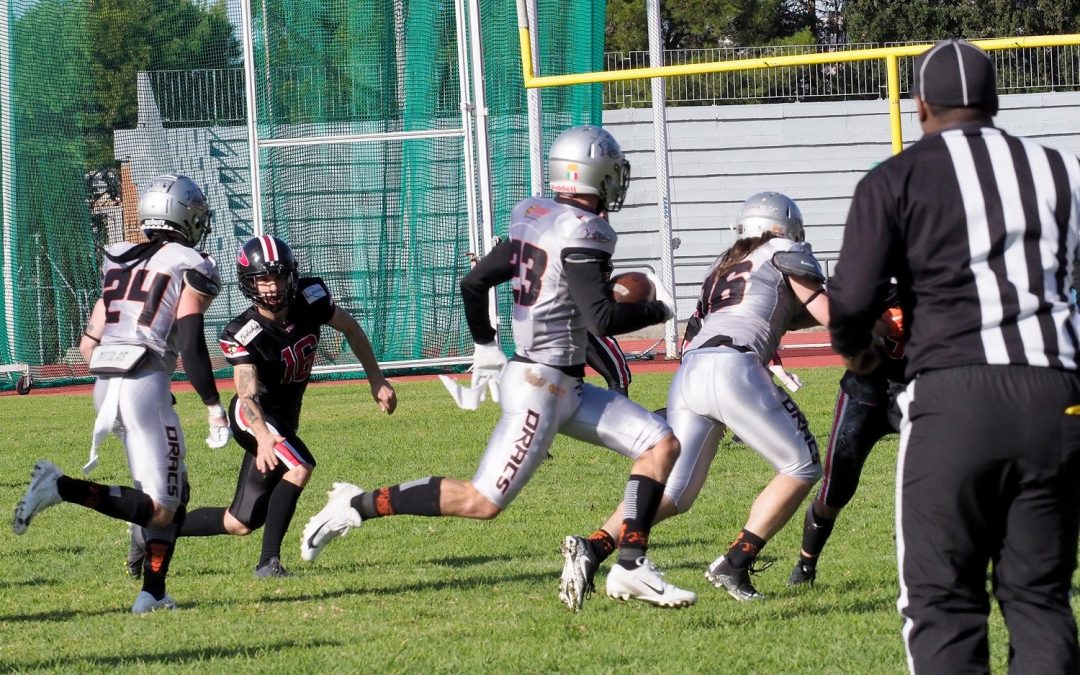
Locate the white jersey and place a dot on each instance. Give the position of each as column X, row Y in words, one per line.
column 752, row 305
column 141, row 298
column 548, row 328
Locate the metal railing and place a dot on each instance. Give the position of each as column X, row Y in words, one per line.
column 346, row 93
column 1019, row 70
column 351, row 93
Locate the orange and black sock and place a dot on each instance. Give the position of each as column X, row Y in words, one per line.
column 745, row 549
column 601, row 545
column 156, row 566
column 115, row 501
column 415, row 498
column 640, row 502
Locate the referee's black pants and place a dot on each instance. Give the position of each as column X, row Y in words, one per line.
column 989, row 475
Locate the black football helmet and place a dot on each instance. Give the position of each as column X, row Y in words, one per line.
column 260, row 256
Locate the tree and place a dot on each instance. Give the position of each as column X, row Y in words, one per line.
column 914, row 20
column 694, row 24
column 130, row 36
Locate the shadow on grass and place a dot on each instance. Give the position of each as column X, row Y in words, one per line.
column 50, row 549
column 173, row 658
column 33, row 581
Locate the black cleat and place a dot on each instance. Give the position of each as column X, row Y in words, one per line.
column 272, row 568
column 802, row 574
column 735, row 581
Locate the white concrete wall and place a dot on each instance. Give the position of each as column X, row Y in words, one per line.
column 813, row 152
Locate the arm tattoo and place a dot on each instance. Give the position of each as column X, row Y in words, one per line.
column 247, row 386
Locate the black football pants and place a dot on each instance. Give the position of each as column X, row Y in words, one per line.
column 989, row 476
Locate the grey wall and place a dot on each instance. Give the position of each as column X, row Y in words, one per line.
column 813, row 152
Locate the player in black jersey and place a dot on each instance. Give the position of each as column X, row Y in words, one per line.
column 866, row 411
column 271, row 346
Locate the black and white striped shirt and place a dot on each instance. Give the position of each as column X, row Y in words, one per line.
column 980, row 230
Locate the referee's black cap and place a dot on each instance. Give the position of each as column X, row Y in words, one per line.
column 956, row 74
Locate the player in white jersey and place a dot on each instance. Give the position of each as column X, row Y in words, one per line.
column 758, row 289
column 154, row 296
column 555, row 258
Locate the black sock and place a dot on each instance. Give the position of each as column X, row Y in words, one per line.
column 640, row 502
column 279, row 514
column 122, row 503
column 205, row 522
column 156, row 566
column 415, row 498
column 745, row 549
column 815, row 533
column 601, row 544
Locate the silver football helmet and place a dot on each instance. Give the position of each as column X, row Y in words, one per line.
column 769, row 212
column 587, row 160
column 175, row 203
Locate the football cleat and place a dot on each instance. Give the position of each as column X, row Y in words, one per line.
column 802, row 574
column 736, row 582
column 272, row 568
column 146, row 603
column 136, row 552
column 579, row 567
column 335, row 520
column 40, row 495
column 646, row 583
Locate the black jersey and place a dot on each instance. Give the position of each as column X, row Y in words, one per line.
column 282, row 353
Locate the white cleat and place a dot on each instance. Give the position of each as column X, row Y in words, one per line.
column 646, row 583
column 579, row 566
column 335, row 520
column 145, row 603
column 40, row 495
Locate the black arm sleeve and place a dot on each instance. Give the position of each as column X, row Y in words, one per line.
column 492, row 270
column 196, row 357
column 604, row 316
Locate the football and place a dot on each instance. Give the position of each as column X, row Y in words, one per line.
column 632, row 287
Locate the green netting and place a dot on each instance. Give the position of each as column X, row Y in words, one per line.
column 100, row 97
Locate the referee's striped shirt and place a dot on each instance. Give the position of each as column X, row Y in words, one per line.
column 986, row 224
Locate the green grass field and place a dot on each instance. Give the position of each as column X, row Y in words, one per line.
column 436, row 595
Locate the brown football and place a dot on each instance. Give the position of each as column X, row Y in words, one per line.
column 632, row 287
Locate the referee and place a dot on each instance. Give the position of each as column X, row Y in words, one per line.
column 980, row 230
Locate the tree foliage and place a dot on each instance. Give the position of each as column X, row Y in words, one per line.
column 693, row 24
column 138, row 35
column 885, row 20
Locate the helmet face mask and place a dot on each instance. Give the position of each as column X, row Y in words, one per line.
column 587, row 160
column 770, row 212
column 174, row 203
column 261, row 257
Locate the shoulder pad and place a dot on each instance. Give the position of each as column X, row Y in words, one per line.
column 799, row 263
column 312, row 290
column 200, row 282
column 589, row 232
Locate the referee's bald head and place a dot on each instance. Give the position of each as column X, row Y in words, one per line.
column 956, row 74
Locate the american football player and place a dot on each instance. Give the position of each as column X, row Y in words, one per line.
column 154, row 296
column 271, row 346
column 866, row 411
column 750, row 297
column 555, row 258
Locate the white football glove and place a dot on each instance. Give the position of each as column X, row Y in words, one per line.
column 790, row 380
column 220, row 432
column 662, row 295
column 488, row 362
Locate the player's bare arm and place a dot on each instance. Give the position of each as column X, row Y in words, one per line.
column 95, row 327
column 246, row 380
column 381, row 390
